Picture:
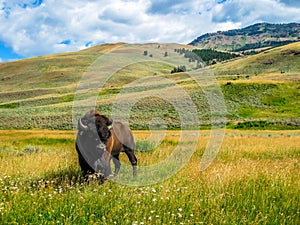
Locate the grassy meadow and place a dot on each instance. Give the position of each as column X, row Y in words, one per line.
column 254, row 180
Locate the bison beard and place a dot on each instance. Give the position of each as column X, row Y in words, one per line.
column 97, row 143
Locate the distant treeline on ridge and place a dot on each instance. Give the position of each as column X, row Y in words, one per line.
column 208, row 56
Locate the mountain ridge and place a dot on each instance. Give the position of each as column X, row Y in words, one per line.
column 254, row 37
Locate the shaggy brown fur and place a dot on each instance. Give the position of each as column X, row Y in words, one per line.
column 99, row 140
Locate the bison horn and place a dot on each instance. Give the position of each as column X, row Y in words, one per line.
column 84, row 127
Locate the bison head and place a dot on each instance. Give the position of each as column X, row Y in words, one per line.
column 93, row 123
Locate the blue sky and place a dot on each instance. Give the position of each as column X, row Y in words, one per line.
column 38, row 27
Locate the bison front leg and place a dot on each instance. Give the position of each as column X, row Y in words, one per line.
column 117, row 164
column 107, row 169
column 84, row 166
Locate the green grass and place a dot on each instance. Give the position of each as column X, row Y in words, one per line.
column 274, row 104
column 265, row 125
column 258, row 200
column 144, row 145
column 262, row 100
column 50, row 141
column 245, row 102
column 244, row 185
column 9, row 106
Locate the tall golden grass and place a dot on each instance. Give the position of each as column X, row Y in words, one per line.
column 243, row 151
column 254, row 179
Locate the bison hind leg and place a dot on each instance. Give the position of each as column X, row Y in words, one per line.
column 132, row 158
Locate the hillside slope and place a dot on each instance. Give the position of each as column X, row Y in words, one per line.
column 50, row 71
column 284, row 60
column 256, row 36
column 263, row 88
column 261, row 91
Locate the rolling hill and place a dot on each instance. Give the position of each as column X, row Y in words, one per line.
column 261, row 91
column 283, row 61
column 255, row 37
column 264, row 86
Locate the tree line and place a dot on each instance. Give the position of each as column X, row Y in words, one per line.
column 209, row 56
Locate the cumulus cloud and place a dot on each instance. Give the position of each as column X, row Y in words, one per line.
column 38, row 27
column 171, row 6
column 249, row 12
column 292, row 3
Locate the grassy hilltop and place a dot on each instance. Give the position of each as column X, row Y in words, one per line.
column 261, row 91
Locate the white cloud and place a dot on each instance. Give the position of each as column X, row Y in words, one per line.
column 249, row 12
column 49, row 26
column 291, row 3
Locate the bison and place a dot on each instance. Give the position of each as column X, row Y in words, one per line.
column 99, row 140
